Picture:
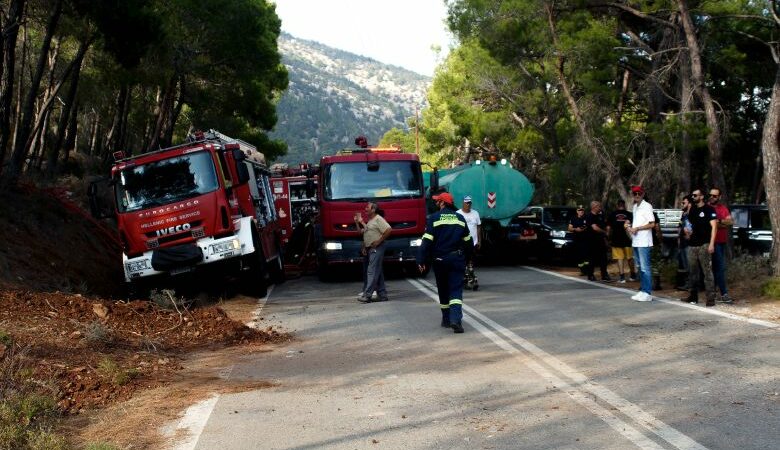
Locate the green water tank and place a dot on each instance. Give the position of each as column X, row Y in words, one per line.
column 497, row 190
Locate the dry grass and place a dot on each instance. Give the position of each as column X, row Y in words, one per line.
column 143, row 415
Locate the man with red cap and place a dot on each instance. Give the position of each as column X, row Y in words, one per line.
column 446, row 245
column 641, row 231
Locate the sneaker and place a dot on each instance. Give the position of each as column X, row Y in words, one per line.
column 725, row 299
column 622, row 279
column 382, row 299
column 644, row 297
column 363, row 299
column 607, row 279
column 637, row 296
column 632, row 278
column 457, row 328
column 445, row 323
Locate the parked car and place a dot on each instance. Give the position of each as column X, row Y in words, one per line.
column 541, row 232
column 752, row 229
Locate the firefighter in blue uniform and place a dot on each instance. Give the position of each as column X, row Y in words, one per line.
column 447, row 245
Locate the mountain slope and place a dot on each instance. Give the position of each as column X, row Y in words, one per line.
column 334, row 96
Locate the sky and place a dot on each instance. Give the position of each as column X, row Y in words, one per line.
column 397, row 32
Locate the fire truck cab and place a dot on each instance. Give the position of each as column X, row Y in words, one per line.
column 347, row 181
column 204, row 204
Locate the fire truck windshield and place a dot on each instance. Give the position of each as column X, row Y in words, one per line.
column 357, row 181
column 166, row 181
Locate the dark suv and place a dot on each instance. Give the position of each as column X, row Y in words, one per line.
column 752, row 229
column 541, row 232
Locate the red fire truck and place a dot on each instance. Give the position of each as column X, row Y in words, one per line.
column 204, row 204
column 350, row 179
column 295, row 198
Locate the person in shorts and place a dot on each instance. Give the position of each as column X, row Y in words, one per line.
column 620, row 241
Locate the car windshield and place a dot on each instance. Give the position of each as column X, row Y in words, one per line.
column 162, row 182
column 357, row 181
column 759, row 220
column 559, row 218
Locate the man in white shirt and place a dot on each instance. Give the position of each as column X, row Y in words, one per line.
column 641, row 231
column 475, row 230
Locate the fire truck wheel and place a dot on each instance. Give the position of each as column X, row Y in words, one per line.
column 254, row 280
column 134, row 291
column 276, row 270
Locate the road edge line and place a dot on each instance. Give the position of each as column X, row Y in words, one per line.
column 194, row 419
column 670, row 301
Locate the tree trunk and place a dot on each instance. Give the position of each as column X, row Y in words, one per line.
column 770, row 139
column 67, row 108
column 9, row 30
column 93, row 135
column 686, row 100
column 175, row 112
column 714, row 142
column 70, row 140
column 608, row 166
column 116, row 134
column 23, row 129
column 163, row 115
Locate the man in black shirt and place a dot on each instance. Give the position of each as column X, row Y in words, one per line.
column 596, row 237
column 701, row 246
column 577, row 227
column 620, row 240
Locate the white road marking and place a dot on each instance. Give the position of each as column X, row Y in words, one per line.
column 669, row 301
column 192, row 423
column 582, row 390
column 260, row 305
column 194, row 419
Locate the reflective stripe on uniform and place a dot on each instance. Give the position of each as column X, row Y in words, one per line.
column 467, row 238
column 428, row 236
column 444, row 306
column 455, row 301
column 448, row 219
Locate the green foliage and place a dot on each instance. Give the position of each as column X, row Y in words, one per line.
column 28, row 407
column 6, row 339
column 771, row 288
column 110, row 370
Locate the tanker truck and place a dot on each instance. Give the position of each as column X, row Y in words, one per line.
column 498, row 191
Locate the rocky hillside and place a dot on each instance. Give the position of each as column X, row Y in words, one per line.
column 335, row 96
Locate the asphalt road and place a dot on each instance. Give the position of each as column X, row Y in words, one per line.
column 546, row 362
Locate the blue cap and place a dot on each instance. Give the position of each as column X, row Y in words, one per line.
column 467, row 199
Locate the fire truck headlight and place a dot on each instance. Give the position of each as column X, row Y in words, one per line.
column 333, row 246
column 415, row 243
column 223, row 247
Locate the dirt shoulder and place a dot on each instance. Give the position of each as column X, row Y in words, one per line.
column 116, row 369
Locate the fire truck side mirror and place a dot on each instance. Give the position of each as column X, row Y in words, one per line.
column 238, row 155
column 99, row 205
column 243, row 172
column 241, row 169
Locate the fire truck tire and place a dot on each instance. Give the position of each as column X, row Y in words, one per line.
column 134, row 291
column 276, row 270
column 324, row 271
column 254, row 281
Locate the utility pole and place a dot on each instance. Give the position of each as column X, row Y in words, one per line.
column 416, row 131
